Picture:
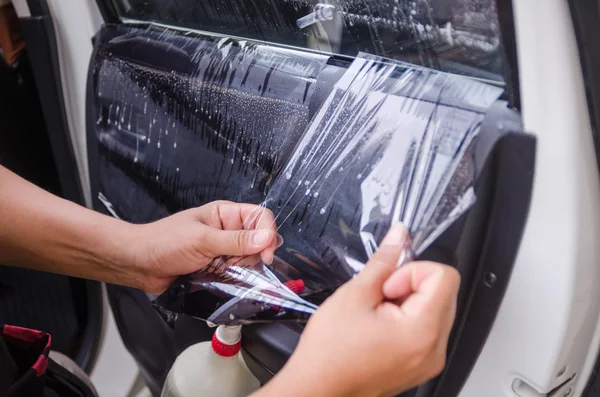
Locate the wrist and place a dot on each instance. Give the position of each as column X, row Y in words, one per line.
column 137, row 258
column 117, row 252
column 130, row 254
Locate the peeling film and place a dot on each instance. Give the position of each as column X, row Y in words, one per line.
column 337, row 151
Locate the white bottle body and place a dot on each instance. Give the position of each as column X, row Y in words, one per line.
column 199, row 371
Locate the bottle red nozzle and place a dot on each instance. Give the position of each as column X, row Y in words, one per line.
column 227, row 341
column 296, row 286
column 223, row 349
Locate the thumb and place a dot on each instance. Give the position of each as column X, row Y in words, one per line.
column 382, row 264
column 237, row 242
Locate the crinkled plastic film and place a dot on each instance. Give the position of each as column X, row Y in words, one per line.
column 391, row 143
column 193, row 118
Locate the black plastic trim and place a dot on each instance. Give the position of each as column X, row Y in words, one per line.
column 40, row 39
column 513, row 162
column 38, row 8
column 108, row 11
column 257, row 369
column 509, row 44
column 269, row 346
column 92, row 333
column 122, row 300
column 92, row 140
column 39, row 34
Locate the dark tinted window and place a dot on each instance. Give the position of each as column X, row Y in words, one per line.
column 460, row 36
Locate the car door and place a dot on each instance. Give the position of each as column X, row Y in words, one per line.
column 192, row 102
column 188, row 102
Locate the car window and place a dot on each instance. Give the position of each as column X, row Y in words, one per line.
column 459, row 36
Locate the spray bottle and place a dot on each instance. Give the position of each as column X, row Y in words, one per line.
column 215, row 368
column 212, row 368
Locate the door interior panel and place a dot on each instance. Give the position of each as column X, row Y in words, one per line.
column 178, row 119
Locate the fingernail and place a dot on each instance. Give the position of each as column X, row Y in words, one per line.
column 396, row 235
column 269, row 260
column 279, row 240
column 260, row 237
column 407, row 254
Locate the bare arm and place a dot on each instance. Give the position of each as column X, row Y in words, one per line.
column 41, row 231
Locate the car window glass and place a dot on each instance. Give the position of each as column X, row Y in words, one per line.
column 459, row 36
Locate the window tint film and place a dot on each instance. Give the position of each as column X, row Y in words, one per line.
column 458, row 36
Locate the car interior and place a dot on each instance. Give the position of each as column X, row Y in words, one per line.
column 68, row 308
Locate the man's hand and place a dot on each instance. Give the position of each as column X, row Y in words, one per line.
column 187, row 241
column 384, row 332
column 43, row 232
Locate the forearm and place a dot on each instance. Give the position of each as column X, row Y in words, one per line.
column 41, row 231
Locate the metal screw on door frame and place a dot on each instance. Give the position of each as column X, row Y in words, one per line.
column 489, row 279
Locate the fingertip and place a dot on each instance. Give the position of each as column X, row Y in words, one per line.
column 262, row 238
column 433, row 286
column 453, row 274
column 264, row 219
column 385, row 259
column 446, row 275
column 452, row 279
column 398, row 285
column 395, row 236
column 267, row 256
